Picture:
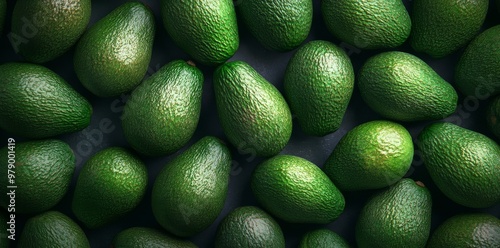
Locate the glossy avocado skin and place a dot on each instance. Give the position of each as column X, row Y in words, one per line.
column 493, row 116
column 398, row 216
column 319, row 81
column 207, row 30
column 367, row 24
column 322, row 238
column 296, row 190
column 474, row 230
column 249, row 227
column 252, row 112
column 440, row 28
column 476, row 73
column 279, row 25
column 144, row 237
column 110, row 184
column 163, row 112
column 465, row 165
column 372, row 155
column 113, row 55
column 37, row 103
column 402, row 87
column 44, row 169
column 52, row 229
column 57, row 26
column 190, row 191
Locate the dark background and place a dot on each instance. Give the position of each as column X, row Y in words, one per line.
column 272, row 66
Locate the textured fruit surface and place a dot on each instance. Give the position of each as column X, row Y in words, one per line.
column 35, row 102
column 252, row 112
column 465, row 165
column 162, row 113
column 373, row 155
column 110, row 184
column 402, row 87
column 399, row 216
column 112, row 57
column 322, row 238
column 43, row 172
column 440, row 28
column 55, row 27
column 476, row 73
column 476, row 230
column 367, row 24
column 319, row 82
column 249, row 227
column 143, row 237
column 52, row 229
column 493, row 116
column 207, row 30
column 190, row 191
column 296, row 190
column 280, row 25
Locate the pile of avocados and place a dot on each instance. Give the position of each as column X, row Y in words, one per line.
column 39, row 110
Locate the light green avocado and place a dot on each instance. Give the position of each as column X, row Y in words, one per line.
column 112, row 57
column 162, row 113
column 190, row 191
column 206, row 30
column 476, row 73
column 319, row 81
column 43, row 30
column 440, row 28
column 373, row 155
column 249, row 227
column 279, row 25
column 398, row 216
column 296, row 190
column 322, row 238
column 367, row 24
column 465, row 165
column 252, row 112
column 37, row 103
column 402, row 87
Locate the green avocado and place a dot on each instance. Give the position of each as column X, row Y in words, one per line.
column 322, row 238
column 143, row 237
column 493, row 116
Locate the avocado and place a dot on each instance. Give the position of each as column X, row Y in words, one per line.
column 43, row 30
column 319, row 81
column 322, row 238
column 402, row 87
column 474, row 230
column 476, row 73
column 162, row 113
column 37, row 103
column 112, row 57
column 279, row 25
column 296, row 190
column 465, row 165
column 3, row 13
column 440, row 28
column 374, row 24
column 493, row 116
column 190, row 191
column 143, row 237
column 252, row 112
column 373, row 155
column 43, row 171
column 52, row 229
column 398, row 216
column 110, row 184
column 249, row 227
column 206, row 30
column 4, row 240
